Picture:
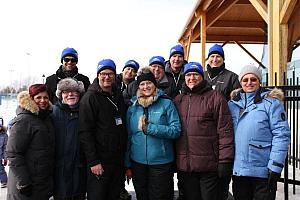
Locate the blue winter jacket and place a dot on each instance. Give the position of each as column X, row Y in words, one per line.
column 262, row 133
column 157, row 145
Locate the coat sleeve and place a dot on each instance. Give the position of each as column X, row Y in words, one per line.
column 224, row 130
column 87, row 129
column 17, row 145
column 128, row 151
column 4, row 146
column 281, row 136
column 172, row 128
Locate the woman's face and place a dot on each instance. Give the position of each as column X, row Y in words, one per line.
column 250, row 83
column 70, row 97
column 146, row 88
column 42, row 100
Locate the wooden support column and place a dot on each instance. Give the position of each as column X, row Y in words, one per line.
column 278, row 43
column 203, row 38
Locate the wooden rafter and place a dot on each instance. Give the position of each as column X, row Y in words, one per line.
column 286, row 10
column 261, row 8
column 213, row 16
column 240, row 24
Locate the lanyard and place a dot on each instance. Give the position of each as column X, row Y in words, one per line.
column 113, row 103
column 176, row 81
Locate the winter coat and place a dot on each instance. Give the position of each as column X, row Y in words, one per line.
column 70, row 168
column 207, row 133
column 157, row 145
column 180, row 79
column 102, row 134
column 167, row 84
column 262, row 134
column 30, row 151
column 225, row 82
column 51, row 81
column 3, row 143
column 120, row 84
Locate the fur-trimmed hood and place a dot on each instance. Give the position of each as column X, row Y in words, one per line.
column 27, row 103
column 274, row 93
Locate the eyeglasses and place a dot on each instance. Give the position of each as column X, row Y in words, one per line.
column 252, row 79
column 70, row 59
column 103, row 75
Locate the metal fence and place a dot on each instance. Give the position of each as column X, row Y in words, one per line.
column 291, row 89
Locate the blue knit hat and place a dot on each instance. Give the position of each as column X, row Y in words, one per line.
column 69, row 52
column 132, row 63
column 193, row 67
column 106, row 64
column 216, row 49
column 177, row 49
column 157, row 60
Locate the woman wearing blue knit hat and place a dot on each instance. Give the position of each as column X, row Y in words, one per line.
column 205, row 148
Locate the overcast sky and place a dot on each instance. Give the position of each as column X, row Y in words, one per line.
column 34, row 32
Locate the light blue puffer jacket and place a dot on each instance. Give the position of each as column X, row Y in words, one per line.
column 262, row 134
column 157, row 146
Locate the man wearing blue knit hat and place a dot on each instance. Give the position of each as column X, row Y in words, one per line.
column 128, row 74
column 164, row 80
column 205, row 151
column 174, row 66
column 224, row 81
column 220, row 78
column 103, row 134
column 68, row 68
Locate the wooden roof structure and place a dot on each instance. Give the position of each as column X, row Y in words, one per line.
column 272, row 22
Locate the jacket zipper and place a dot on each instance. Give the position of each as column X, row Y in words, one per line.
column 186, row 137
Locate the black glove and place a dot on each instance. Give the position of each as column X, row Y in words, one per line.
column 26, row 190
column 225, row 170
column 272, row 180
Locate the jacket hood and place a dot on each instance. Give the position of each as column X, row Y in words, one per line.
column 274, row 93
column 27, row 103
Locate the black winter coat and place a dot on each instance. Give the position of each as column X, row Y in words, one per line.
column 30, row 151
column 51, row 81
column 70, row 168
column 103, row 141
column 225, row 82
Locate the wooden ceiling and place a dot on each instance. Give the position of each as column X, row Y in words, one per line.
column 236, row 20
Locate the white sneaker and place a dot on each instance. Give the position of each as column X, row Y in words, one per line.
column 3, row 185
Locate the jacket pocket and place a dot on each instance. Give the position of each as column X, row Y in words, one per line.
column 259, row 152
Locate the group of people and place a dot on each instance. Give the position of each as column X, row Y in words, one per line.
column 71, row 138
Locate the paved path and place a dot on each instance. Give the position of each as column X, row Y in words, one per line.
column 280, row 192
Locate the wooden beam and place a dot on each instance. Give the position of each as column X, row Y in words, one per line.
column 206, row 4
column 287, row 10
column 213, row 16
column 261, row 8
column 241, row 38
column 239, row 24
column 203, row 39
column 253, row 57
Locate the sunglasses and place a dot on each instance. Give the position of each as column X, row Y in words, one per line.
column 252, row 79
column 70, row 59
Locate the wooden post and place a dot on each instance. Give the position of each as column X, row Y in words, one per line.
column 203, row 39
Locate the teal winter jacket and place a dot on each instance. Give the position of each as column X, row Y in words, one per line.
column 156, row 146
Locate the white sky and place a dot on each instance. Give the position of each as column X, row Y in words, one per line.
column 34, row 32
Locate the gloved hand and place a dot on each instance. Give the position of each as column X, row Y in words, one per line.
column 272, row 180
column 4, row 162
column 128, row 175
column 225, row 170
column 25, row 190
